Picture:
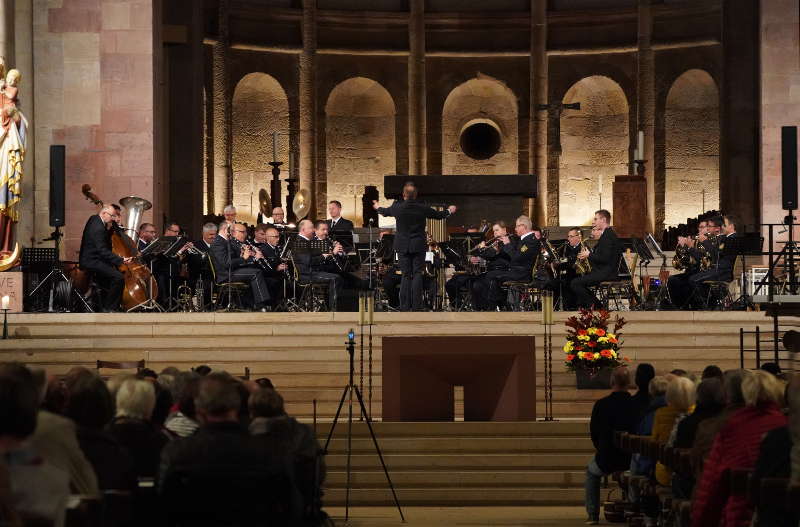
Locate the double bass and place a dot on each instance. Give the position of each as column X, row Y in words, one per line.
column 140, row 287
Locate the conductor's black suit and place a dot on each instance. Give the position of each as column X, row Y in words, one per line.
column 96, row 257
column 410, row 244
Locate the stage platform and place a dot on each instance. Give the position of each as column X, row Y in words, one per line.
column 432, row 464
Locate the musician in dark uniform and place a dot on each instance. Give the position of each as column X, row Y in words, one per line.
column 197, row 262
column 266, row 239
column 604, row 259
column 496, row 260
column 680, row 285
column 312, row 265
column 97, row 258
column 723, row 256
column 227, row 250
column 147, row 233
column 565, row 270
column 522, row 253
column 410, row 241
column 338, row 224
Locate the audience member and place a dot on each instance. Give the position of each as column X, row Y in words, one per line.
column 644, row 374
column 711, row 371
column 30, row 488
column 91, row 408
column 774, row 461
column 773, row 368
column 222, row 460
column 183, row 422
column 290, row 439
column 736, row 447
column 615, row 412
column 202, row 370
column 680, row 403
column 132, row 428
column 56, row 440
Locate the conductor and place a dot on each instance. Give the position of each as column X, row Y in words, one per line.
column 410, row 242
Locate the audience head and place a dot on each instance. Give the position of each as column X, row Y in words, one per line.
column 136, row 399
column 170, row 370
column 677, row 372
column 644, row 374
column 658, row 386
column 620, row 379
column 266, row 402
column 202, row 370
column 116, row 381
column 19, row 405
column 217, row 399
column 760, row 387
column 710, row 394
column 90, row 403
column 186, row 387
column 712, row 371
column 265, row 383
column 733, row 387
column 681, row 394
column 773, row 368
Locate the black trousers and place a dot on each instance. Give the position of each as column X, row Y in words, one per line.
column 411, row 285
column 334, row 282
column 391, row 286
column 699, row 289
column 454, row 286
column 680, row 289
column 275, row 288
column 584, row 298
column 495, row 281
column 254, row 277
column 110, row 279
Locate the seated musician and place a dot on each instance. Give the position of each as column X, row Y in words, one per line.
column 522, row 254
column 147, row 233
column 496, row 260
column 166, row 269
column 604, row 260
column 721, row 258
column 266, row 239
column 197, row 260
column 234, row 262
column 97, row 258
column 679, row 285
column 312, row 265
column 565, row 270
column 337, row 263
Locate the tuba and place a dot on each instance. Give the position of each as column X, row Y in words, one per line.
column 135, row 207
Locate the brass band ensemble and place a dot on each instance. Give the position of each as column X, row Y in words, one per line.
column 322, row 265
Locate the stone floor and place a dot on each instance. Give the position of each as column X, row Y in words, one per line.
column 454, row 516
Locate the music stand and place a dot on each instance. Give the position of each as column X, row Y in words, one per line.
column 39, row 256
column 166, row 246
column 750, row 244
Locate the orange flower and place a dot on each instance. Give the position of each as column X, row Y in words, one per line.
column 570, row 358
column 581, row 332
column 612, row 340
column 601, row 332
column 626, row 359
column 578, row 348
column 605, row 353
column 591, row 344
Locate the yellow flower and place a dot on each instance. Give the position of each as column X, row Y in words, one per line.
column 611, row 335
column 591, row 331
column 602, row 339
column 614, row 354
column 596, row 355
column 584, row 337
column 568, row 346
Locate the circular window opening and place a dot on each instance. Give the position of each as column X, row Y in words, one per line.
column 480, row 141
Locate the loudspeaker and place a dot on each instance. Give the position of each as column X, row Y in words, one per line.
column 57, row 158
column 789, row 166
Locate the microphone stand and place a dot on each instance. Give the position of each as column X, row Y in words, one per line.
column 229, row 307
column 371, row 254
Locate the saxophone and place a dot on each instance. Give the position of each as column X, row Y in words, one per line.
column 583, row 266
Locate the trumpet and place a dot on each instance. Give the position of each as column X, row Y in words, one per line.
column 494, row 243
column 188, row 248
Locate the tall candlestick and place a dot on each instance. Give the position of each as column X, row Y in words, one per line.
column 4, row 302
column 640, row 147
column 274, row 146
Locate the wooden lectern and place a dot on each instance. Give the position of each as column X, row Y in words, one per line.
column 630, row 206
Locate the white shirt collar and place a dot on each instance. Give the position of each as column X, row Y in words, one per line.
column 300, row 235
column 525, row 235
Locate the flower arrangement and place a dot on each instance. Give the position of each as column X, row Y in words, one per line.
column 590, row 345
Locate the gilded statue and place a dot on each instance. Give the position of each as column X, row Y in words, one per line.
column 13, row 131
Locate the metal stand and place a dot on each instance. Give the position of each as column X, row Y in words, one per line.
column 57, row 275
column 547, row 322
column 349, row 390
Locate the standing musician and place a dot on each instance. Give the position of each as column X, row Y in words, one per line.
column 522, row 254
column 147, row 233
column 679, row 285
column 720, row 257
column 496, row 260
column 96, row 257
column 337, row 223
column 604, row 260
column 267, row 239
column 313, row 266
column 228, row 250
column 410, row 242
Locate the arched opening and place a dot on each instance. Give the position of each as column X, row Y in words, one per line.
column 692, row 147
column 360, row 142
column 260, row 107
column 594, row 149
column 479, row 129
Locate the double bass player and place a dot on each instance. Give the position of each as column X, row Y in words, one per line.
column 96, row 257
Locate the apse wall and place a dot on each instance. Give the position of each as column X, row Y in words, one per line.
column 594, row 148
column 359, row 142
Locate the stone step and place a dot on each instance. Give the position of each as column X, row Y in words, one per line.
column 457, row 479
column 466, row 445
column 472, row 429
column 478, row 461
column 457, row 496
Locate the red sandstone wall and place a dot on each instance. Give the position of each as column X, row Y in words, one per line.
column 94, row 93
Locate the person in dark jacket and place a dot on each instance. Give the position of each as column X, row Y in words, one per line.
column 410, row 241
column 604, row 259
column 236, row 262
column 521, row 253
column 97, row 258
column 91, row 407
column 644, row 374
column 613, row 413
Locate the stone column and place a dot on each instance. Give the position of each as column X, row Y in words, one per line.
column 308, row 103
column 30, row 226
column 646, row 104
column 222, row 186
column 417, row 129
column 7, row 13
column 546, row 211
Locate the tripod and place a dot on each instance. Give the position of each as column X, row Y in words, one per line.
column 350, row 389
column 56, row 275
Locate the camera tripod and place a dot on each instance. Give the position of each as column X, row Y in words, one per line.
column 351, row 389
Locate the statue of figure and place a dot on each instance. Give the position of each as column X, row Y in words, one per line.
column 13, row 128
